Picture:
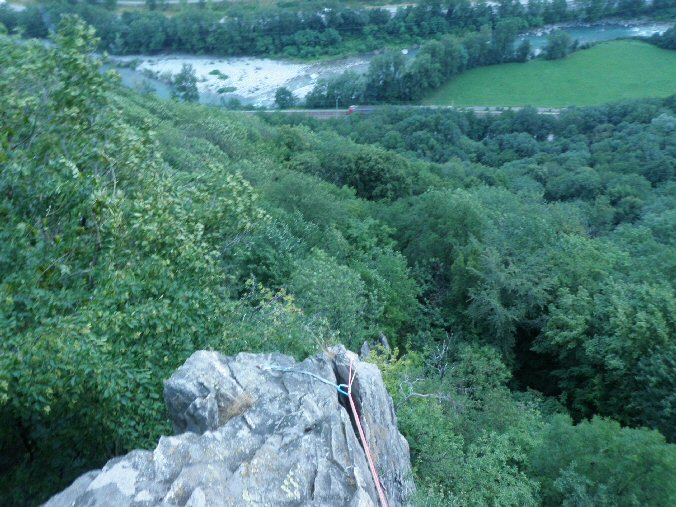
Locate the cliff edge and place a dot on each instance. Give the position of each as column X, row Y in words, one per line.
column 261, row 429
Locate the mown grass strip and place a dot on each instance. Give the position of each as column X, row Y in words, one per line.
column 610, row 71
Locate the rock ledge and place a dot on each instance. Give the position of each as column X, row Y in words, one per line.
column 248, row 435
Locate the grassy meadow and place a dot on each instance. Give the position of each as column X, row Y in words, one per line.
column 617, row 70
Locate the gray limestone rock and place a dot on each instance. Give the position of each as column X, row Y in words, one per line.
column 249, row 433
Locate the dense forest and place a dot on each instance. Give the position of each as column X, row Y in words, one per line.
column 520, row 266
column 452, row 38
column 311, row 29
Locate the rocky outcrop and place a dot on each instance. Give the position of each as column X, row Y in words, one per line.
column 249, row 433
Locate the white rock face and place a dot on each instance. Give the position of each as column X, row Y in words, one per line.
column 248, row 434
column 121, row 475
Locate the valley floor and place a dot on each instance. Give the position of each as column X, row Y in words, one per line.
column 611, row 71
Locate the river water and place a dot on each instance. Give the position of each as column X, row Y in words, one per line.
column 137, row 81
column 597, row 32
column 253, row 81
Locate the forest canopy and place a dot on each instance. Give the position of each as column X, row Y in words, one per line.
column 521, row 267
column 307, row 29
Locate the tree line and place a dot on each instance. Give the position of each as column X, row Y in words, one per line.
column 560, row 305
column 393, row 78
column 667, row 40
column 306, row 32
column 520, row 266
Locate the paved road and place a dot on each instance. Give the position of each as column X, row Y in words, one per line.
column 496, row 109
column 392, row 8
column 327, row 114
column 168, row 2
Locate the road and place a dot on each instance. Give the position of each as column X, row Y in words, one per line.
column 483, row 110
column 327, row 114
column 392, row 8
column 133, row 3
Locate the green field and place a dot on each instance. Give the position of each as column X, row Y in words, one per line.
column 607, row 72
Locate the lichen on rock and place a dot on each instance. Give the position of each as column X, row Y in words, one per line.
column 251, row 435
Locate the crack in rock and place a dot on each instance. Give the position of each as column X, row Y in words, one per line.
column 246, row 435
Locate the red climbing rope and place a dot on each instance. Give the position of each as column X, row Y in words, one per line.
column 374, row 472
column 348, row 393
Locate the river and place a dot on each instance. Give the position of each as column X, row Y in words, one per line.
column 253, row 81
column 596, row 32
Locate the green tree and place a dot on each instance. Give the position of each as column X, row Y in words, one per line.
column 185, row 84
column 344, row 305
column 559, row 44
column 284, row 98
column 600, row 339
column 504, row 35
column 96, row 258
column 469, row 439
column 667, row 40
column 599, row 463
column 491, row 476
column 343, row 90
column 523, row 51
column 655, row 398
column 383, row 79
column 373, row 173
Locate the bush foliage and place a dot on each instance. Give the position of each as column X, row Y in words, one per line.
column 521, row 267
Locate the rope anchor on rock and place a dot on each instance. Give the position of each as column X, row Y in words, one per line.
column 345, row 389
column 273, row 367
